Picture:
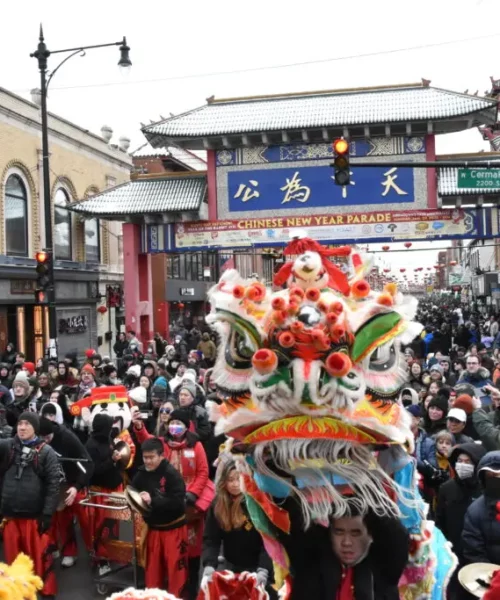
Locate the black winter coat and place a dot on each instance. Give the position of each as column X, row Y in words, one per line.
column 106, row 472
column 481, row 533
column 317, row 572
column 166, row 487
column 455, row 497
column 67, row 444
column 31, row 479
column 243, row 547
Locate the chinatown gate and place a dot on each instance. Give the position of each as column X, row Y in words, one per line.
column 269, row 172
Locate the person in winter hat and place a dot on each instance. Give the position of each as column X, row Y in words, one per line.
column 29, row 367
column 481, row 533
column 197, row 414
column 408, row 397
column 138, row 396
column 53, row 412
column 456, row 495
column 435, row 416
column 456, row 421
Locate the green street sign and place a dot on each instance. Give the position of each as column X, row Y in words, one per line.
column 480, row 179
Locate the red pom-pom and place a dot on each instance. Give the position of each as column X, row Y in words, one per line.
column 338, row 331
column 385, row 300
column 279, row 316
column 293, row 308
column 331, row 318
column 286, row 339
column 297, row 326
column 264, row 361
column 360, row 289
column 278, row 303
column 238, row 291
column 322, row 306
column 338, row 364
column 337, row 307
column 313, row 294
column 296, row 291
column 89, row 353
column 256, row 292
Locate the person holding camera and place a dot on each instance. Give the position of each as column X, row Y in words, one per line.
column 487, row 424
column 29, row 498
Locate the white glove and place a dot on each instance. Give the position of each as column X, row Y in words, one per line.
column 207, row 574
column 262, row 576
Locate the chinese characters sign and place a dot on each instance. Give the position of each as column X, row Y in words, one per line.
column 314, row 186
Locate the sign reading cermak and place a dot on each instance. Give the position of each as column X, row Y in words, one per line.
column 478, row 178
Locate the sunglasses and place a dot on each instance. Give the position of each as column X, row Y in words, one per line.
column 165, row 411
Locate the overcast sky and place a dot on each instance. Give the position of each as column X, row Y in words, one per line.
column 177, row 46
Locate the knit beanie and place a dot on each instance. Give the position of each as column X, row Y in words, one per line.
column 51, row 408
column 108, row 369
column 436, row 367
column 21, row 379
column 88, row 369
column 159, row 392
column 415, row 411
column 464, row 401
column 439, row 402
column 180, row 415
column 32, row 419
column 138, row 395
column 30, row 367
column 189, row 387
column 46, row 426
column 134, row 370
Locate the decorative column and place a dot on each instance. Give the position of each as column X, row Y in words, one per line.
column 137, row 284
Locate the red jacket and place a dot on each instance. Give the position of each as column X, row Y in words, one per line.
column 189, row 459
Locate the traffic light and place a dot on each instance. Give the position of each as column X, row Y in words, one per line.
column 43, row 279
column 342, row 174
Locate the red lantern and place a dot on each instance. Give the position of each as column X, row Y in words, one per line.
column 102, row 310
column 387, row 270
column 453, row 263
column 181, row 305
column 402, row 270
column 408, row 244
column 385, row 248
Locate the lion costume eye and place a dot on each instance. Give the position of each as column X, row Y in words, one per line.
column 383, row 358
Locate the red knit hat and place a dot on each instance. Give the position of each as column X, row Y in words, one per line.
column 88, row 369
column 90, row 353
column 30, row 367
column 464, row 401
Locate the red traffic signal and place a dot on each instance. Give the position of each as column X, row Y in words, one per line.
column 41, row 297
column 42, row 256
column 342, row 173
column 340, row 146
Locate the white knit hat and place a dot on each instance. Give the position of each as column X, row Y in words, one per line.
column 138, row 395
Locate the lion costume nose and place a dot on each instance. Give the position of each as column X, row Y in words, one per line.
column 338, row 364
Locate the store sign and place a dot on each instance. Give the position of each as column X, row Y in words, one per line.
column 336, row 228
column 22, row 286
column 187, row 291
column 72, row 325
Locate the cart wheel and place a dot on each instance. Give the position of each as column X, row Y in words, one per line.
column 102, row 589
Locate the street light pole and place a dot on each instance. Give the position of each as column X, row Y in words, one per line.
column 42, row 54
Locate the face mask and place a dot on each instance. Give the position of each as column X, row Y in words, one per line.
column 492, row 485
column 176, row 430
column 464, row 470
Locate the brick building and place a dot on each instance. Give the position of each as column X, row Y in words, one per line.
column 87, row 251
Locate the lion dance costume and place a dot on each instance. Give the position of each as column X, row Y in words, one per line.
column 309, row 378
column 17, row 580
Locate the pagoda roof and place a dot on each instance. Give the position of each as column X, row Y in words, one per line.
column 410, row 109
column 162, row 198
column 193, row 161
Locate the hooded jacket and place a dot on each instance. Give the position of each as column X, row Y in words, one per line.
column 456, row 495
column 99, row 446
column 478, row 380
column 481, row 533
column 68, row 445
column 487, row 426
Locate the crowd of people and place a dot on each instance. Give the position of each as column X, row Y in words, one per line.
column 197, row 520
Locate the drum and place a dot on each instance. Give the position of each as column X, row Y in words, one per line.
column 476, row 578
column 135, row 501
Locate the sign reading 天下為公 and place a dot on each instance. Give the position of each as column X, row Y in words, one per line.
column 299, row 179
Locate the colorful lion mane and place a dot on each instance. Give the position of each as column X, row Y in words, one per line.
column 17, row 581
column 308, row 380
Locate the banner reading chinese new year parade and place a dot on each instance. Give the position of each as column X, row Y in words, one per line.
column 330, row 228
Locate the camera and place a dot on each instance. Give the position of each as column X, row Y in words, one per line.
column 145, row 414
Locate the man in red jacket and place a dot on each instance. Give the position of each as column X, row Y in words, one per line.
column 163, row 490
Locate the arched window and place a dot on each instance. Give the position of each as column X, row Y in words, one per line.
column 92, row 241
column 16, row 217
column 62, row 226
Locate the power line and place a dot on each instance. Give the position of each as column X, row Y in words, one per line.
column 280, row 66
